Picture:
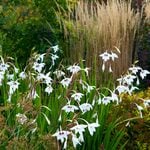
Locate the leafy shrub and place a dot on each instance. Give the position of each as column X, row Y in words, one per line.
column 137, row 127
column 31, row 24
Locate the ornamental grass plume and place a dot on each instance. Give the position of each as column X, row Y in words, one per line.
column 147, row 11
column 97, row 27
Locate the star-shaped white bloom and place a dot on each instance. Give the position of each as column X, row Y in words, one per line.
column 79, row 128
column 140, row 108
column 131, row 89
column 135, row 69
column 86, row 70
column 38, row 66
column 62, row 135
column 127, row 79
column 74, row 69
column 75, row 141
column 22, row 75
column 55, row 48
column 13, row 86
column 105, row 56
column 77, row 96
column 144, row 73
column 92, row 127
column 65, row 82
column 54, row 57
column 70, row 108
column 122, row 89
column 90, row 88
column 59, row 73
column 49, row 89
column 40, row 76
column 114, row 97
column 106, row 100
column 47, row 79
column 4, row 67
column 113, row 56
column 85, row 107
column 146, row 103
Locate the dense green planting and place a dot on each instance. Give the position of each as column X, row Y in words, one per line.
column 39, row 105
column 46, row 103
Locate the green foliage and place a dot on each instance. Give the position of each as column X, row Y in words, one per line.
column 137, row 128
column 25, row 119
column 31, row 24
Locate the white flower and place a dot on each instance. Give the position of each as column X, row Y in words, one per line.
column 49, row 89
column 91, row 127
column 48, row 79
column 133, row 88
column 77, row 96
column 75, row 141
column 40, row 76
column 21, row 118
column 144, row 73
column 74, row 69
column 54, row 57
column 146, row 103
column 65, row 82
column 55, row 48
column 122, row 89
column 113, row 56
column 128, row 79
column 135, row 69
column 59, row 73
column 22, row 75
column 62, row 135
column 86, row 70
column 79, row 128
column 45, row 78
column 4, row 67
column 85, row 107
column 70, row 108
column 140, row 108
column 106, row 100
column 105, row 56
column 38, row 66
column 90, row 88
column 114, row 97
column 13, row 86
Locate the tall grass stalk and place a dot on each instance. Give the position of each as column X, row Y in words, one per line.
column 147, row 11
column 94, row 28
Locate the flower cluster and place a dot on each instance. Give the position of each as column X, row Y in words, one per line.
column 107, row 57
column 75, row 97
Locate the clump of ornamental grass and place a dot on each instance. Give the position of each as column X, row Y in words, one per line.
column 95, row 27
column 147, row 11
column 60, row 103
